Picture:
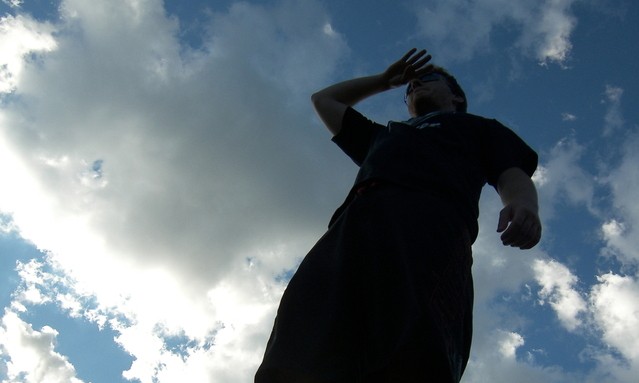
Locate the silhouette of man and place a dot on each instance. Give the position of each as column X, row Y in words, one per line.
column 386, row 294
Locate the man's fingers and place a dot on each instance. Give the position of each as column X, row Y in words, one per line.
column 522, row 235
column 535, row 237
column 532, row 241
column 411, row 60
column 515, row 232
column 422, row 62
column 519, row 227
column 408, row 54
column 529, row 240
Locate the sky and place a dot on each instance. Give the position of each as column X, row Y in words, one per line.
column 163, row 174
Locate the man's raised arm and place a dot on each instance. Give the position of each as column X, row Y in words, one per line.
column 330, row 103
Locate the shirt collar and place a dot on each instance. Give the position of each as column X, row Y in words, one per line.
column 415, row 121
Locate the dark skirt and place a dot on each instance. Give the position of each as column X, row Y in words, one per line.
column 384, row 296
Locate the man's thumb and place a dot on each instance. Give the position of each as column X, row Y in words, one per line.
column 504, row 218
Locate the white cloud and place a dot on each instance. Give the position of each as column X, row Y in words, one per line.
column 568, row 117
column 615, row 305
column 620, row 226
column 613, row 93
column 613, row 120
column 13, row 3
column 160, row 178
column 615, row 302
column 563, row 178
column 543, row 28
column 31, row 354
column 510, row 343
column 20, row 36
column 549, row 34
column 613, row 229
column 33, row 279
column 558, row 287
column 540, row 178
column 289, row 44
column 497, row 362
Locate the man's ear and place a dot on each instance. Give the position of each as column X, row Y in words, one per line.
column 458, row 100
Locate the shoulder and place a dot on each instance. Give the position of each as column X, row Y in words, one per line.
column 356, row 126
column 353, row 117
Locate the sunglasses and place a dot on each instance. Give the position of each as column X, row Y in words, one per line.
column 428, row 77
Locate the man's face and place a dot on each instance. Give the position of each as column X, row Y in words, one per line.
column 430, row 93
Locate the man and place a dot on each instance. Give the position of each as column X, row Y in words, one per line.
column 386, row 294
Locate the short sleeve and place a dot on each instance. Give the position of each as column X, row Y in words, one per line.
column 356, row 135
column 505, row 150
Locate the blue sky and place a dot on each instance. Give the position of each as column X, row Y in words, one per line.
column 164, row 173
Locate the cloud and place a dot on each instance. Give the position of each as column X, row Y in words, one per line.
column 21, row 37
column 613, row 120
column 549, row 34
column 620, row 225
column 184, row 162
column 542, row 28
column 558, row 287
column 562, row 178
column 509, row 344
column 13, row 3
column 615, row 305
column 160, row 178
column 499, row 363
column 31, row 355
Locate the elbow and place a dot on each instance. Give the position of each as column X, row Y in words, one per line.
column 316, row 99
column 320, row 102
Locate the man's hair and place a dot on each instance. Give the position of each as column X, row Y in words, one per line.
column 454, row 87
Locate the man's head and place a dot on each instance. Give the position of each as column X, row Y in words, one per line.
column 436, row 90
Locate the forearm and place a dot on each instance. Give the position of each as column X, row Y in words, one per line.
column 351, row 92
column 515, row 186
column 330, row 103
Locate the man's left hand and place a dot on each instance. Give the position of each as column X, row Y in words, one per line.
column 520, row 226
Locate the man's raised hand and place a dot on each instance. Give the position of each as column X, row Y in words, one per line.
column 412, row 65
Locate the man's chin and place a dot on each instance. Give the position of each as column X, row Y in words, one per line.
column 424, row 106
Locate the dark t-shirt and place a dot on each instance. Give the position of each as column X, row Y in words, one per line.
column 452, row 155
